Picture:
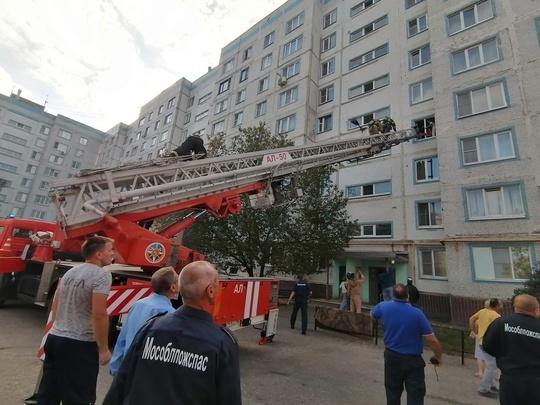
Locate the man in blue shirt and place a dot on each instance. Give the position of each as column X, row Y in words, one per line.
column 165, row 285
column 404, row 326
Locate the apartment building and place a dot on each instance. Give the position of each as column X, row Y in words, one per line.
column 35, row 148
column 457, row 209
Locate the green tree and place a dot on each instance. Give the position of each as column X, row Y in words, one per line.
column 532, row 284
column 299, row 234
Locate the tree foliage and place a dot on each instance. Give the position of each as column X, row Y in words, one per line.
column 531, row 285
column 299, row 234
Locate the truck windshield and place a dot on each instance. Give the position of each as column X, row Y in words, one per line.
column 21, row 233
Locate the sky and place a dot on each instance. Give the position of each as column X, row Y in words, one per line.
column 99, row 61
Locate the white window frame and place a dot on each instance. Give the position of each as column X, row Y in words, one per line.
column 326, row 94
column 244, row 74
column 369, row 190
column 35, row 155
column 437, row 272
column 489, row 101
column 260, row 109
column 228, row 66
column 423, row 89
column 293, row 46
column 160, row 109
column 202, row 115
column 369, row 87
column 65, row 134
column 468, row 52
column 171, row 102
column 431, row 214
column 417, row 25
column 269, row 39
column 329, row 18
column 26, row 183
column 50, row 172
column 41, row 200
column 496, row 141
column 369, row 28
column 485, row 262
column 477, row 18
column 187, row 118
column 59, row 160
column 45, row 130
column 286, row 124
column 168, row 119
column 218, row 127
column 241, row 96
column 224, row 86
column 37, row 214
column 329, row 42
column 248, row 52
column 40, row 143
column 363, row 6
column 263, row 85
column 496, row 198
column 410, row 3
column 295, row 23
column 367, row 57
column 364, row 119
column 76, row 165
column 164, row 135
column 288, row 97
column 426, row 169
column 423, row 58
column 374, row 231
column 266, row 61
column 324, row 123
column 328, row 67
column 291, row 70
column 238, row 118
column 222, row 106
column 204, row 98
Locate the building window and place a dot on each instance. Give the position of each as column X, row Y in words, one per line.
column 79, row 153
column 20, row 125
column 244, row 74
column 288, row 97
column 41, row 200
column 134, row 151
column 419, row 57
column 83, row 141
column 45, row 130
column 326, row 95
column 371, row 27
column 247, row 53
column 425, row 127
column 330, row 18
column 218, row 127
column 60, row 147
column 64, row 134
column 75, row 165
column 238, row 117
column 382, row 230
column 202, row 115
column 143, row 146
column 260, row 109
column 187, row 118
column 153, row 141
column 44, row 185
column 31, row 169
column 417, row 25
column 221, row 106
column 370, row 86
column 269, row 39
column 266, row 61
column 142, row 121
column 501, row 263
column 20, row 141
column 487, row 148
column 164, row 135
column 56, row 159
column 204, row 98
column 191, row 101
column 470, row 16
column 171, row 102
column 475, row 56
column 240, row 96
column 368, row 57
column 354, row 123
column 329, row 42
column 146, row 131
column 227, row 67
column 362, row 6
column 426, row 170
column 150, row 116
column 324, row 123
column 429, row 214
column 21, row 197
column 157, row 124
column 294, row 23
column 168, row 119
column 328, row 67
column 35, row 155
column 410, row 3
column 13, row 169
column 291, row 70
column 160, row 110
column 224, row 86
column 16, row 155
column 293, row 46
column 263, row 84
column 51, row 172
column 138, row 136
column 369, row 190
column 26, row 183
column 495, row 202
column 36, row 214
column 286, row 124
column 422, row 91
column 40, row 143
column 432, row 263
column 480, row 100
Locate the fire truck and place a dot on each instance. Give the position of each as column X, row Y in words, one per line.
column 121, row 202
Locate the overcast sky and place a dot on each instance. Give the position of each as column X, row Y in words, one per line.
column 99, row 61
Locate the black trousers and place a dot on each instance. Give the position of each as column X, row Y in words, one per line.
column 70, row 372
column 400, row 369
column 519, row 389
column 300, row 304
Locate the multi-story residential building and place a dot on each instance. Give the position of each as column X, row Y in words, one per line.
column 37, row 147
column 457, row 209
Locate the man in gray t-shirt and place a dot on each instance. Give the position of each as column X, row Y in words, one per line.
column 77, row 343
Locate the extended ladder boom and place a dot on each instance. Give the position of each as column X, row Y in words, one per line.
column 145, row 186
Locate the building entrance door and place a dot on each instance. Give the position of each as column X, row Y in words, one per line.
column 374, row 287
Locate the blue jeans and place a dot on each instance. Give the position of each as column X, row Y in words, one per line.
column 387, row 294
column 344, row 306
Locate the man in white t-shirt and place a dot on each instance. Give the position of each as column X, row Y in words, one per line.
column 78, row 341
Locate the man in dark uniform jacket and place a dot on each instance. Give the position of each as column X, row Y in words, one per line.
column 301, row 294
column 182, row 357
column 414, row 294
column 192, row 144
column 514, row 340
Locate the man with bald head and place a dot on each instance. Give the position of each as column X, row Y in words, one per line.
column 514, row 340
column 182, row 357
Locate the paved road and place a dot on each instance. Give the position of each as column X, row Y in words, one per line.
column 321, row 368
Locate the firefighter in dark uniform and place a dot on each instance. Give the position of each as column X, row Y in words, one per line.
column 514, row 340
column 182, row 357
column 301, row 294
column 193, row 144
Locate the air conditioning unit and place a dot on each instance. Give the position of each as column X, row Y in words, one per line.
column 282, row 82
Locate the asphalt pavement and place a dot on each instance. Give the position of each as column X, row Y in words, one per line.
column 323, row 367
